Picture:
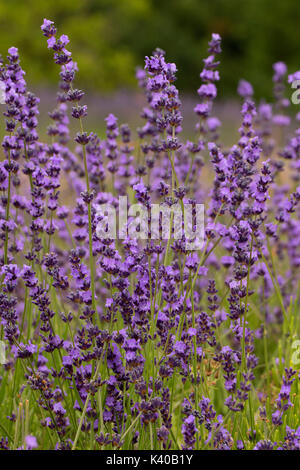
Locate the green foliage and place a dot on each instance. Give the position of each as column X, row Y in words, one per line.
column 111, row 37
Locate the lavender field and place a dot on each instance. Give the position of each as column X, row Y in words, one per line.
column 165, row 330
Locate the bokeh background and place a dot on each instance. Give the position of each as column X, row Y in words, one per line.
column 109, row 38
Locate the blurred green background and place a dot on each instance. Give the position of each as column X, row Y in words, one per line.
column 109, row 38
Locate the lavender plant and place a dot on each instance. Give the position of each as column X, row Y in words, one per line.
column 139, row 342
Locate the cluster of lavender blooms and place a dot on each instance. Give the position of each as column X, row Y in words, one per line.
column 131, row 344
